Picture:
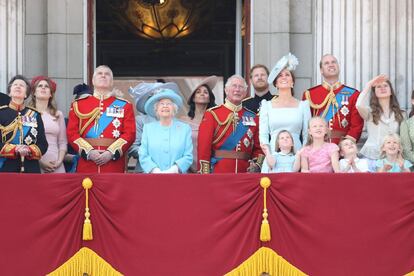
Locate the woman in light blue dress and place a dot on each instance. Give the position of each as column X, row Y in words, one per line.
column 284, row 112
column 166, row 145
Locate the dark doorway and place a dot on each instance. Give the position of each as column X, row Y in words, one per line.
column 208, row 49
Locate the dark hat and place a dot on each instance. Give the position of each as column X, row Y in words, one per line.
column 82, row 90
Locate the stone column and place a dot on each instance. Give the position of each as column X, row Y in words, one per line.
column 11, row 40
column 369, row 38
column 54, row 44
column 282, row 26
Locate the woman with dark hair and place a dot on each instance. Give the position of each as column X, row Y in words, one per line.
column 23, row 140
column 379, row 107
column 43, row 99
column 284, row 112
column 201, row 99
column 407, row 134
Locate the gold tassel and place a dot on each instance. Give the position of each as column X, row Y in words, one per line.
column 87, row 225
column 265, row 260
column 85, row 262
column 265, row 227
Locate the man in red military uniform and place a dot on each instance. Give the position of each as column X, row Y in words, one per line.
column 228, row 138
column 101, row 127
column 335, row 102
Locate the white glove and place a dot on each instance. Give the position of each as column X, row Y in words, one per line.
column 172, row 169
column 156, row 170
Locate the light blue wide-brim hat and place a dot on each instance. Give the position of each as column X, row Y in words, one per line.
column 143, row 91
column 288, row 61
column 164, row 93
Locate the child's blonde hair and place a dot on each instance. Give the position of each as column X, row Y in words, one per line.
column 327, row 135
column 391, row 136
column 277, row 147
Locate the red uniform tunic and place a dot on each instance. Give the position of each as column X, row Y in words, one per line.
column 102, row 124
column 336, row 104
column 217, row 125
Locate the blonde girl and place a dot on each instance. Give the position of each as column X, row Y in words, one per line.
column 319, row 155
column 391, row 156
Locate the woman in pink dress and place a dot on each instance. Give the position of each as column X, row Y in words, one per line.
column 43, row 92
column 200, row 100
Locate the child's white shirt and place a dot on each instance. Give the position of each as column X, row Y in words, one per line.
column 360, row 163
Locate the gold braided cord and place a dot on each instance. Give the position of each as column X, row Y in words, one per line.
column 312, row 104
column 93, row 115
column 91, row 119
column 220, row 123
column 84, row 115
column 332, row 100
column 12, row 127
column 226, row 122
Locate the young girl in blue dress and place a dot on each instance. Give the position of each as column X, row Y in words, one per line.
column 391, row 156
column 284, row 156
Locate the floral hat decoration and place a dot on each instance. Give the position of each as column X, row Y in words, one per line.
column 288, row 61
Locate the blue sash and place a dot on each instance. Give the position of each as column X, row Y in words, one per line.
column 104, row 121
column 16, row 140
column 345, row 91
column 234, row 138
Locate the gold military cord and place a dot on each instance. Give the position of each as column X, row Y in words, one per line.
column 226, row 122
column 92, row 116
column 329, row 100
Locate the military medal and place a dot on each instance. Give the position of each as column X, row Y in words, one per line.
column 249, row 133
column 344, row 110
column 246, row 142
column 28, row 140
column 116, row 123
column 344, row 123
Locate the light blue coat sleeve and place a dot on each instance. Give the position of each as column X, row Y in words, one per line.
column 145, row 159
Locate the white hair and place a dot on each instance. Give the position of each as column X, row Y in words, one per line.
column 103, row 66
column 229, row 81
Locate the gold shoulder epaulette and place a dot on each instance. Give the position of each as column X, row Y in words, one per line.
column 248, row 98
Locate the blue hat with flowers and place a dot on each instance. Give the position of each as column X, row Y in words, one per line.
column 288, row 61
column 163, row 93
column 143, row 91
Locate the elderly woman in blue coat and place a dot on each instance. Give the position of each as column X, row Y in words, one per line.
column 166, row 145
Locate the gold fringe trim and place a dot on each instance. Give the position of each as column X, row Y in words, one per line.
column 263, row 261
column 410, row 274
column 85, row 262
column 265, row 227
column 87, row 224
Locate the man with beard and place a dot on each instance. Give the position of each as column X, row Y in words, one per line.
column 335, row 102
column 258, row 77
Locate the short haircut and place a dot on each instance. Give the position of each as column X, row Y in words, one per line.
column 258, row 66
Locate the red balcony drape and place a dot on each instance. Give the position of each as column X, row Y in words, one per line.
column 323, row 224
